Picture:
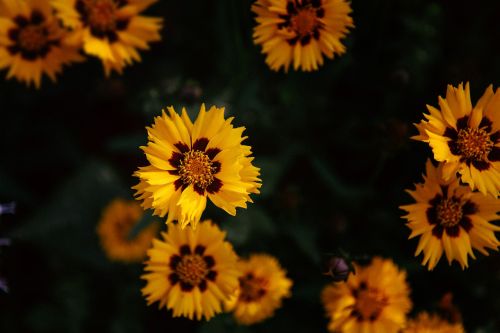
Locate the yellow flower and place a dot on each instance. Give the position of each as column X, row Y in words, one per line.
column 373, row 300
column 190, row 162
column 112, row 30
column 192, row 271
column 301, row 31
column 465, row 138
column 115, row 227
column 32, row 42
column 450, row 217
column 263, row 285
column 426, row 323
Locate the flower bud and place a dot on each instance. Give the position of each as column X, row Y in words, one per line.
column 338, row 269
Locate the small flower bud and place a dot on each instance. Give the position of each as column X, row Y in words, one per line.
column 338, row 269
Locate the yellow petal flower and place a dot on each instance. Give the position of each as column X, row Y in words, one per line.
column 115, row 227
column 32, row 42
column 263, row 285
column 300, row 33
column 192, row 161
column 450, row 218
column 112, row 30
column 192, row 272
column 466, row 138
column 375, row 299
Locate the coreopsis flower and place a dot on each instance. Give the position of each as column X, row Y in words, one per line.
column 263, row 285
column 425, row 323
column 190, row 162
column 450, row 218
column 191, row 271
column 113, row 30
column 301, row 32
column 375, row 299
column 115, row 231
column 32, row 42
column 466, row 138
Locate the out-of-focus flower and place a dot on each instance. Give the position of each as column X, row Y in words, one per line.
column 191, row 271
column 190, row 162
column 301, row 32
column 112, row 30
column 115, row 227
column 450, row 218
column 374, row 300
column 338, row 268
column 425, row 323
column 3, row 285
column 32, row 42
column 263, row 285
column 8, row 208
column 465, row 138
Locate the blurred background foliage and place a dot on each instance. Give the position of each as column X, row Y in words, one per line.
column 333, row 146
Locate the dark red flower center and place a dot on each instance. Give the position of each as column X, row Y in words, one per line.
column 369, row 302
column 304, row 20
column 475, row 146
column 192, row 268
column 450, row 214
column 101, row 16
column 31, row 37
column 474, row 143
column 197, row 168
column 252, row 288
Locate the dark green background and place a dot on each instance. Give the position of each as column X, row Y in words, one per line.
column 333, row 146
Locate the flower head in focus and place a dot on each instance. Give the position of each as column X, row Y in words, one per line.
column 466, row 138
column 192, row 162
column 191, row 271
column 448, row 217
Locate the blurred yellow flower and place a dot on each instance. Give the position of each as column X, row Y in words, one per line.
column 112, row 30
column 263, row 285
column 32, row 42
column 465, row 138
column 115, row 227
column 192, row 161
column 301, row 32
column 373, row 300
column 425, row 323
column 450, row 217
column 191, row 271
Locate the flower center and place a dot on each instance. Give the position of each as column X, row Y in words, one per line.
column 192, row 269
column 370, row 303
column 101, row 14
column 33, row 38
column 304, row 22
column 474, row 143
column 196, row 168
column 449, row 212
column 252, row 288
